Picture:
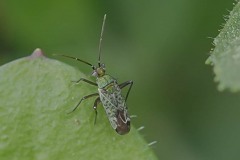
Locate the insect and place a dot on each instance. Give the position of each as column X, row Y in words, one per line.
column 109, row 93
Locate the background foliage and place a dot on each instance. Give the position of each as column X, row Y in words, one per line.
column 161, row 45
column 225, row 56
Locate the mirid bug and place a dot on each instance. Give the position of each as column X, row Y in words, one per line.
column 109, row 93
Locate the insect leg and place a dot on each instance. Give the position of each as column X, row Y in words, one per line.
column 124, row 84
column 96, row 102
column 85, row 80
column 83, row 98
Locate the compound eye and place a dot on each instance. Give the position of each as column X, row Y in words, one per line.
column 95, row 74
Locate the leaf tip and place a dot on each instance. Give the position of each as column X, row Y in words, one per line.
column 37, row 53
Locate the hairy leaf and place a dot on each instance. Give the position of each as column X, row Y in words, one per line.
column 225, row 57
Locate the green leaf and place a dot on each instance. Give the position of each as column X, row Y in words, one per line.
column 225, row 57
column 36, row 95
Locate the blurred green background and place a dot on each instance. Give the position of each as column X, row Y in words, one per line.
column 161, row 45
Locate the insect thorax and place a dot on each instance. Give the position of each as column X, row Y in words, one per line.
column 105, row 80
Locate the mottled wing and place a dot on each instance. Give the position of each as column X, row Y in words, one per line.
column 115, row 107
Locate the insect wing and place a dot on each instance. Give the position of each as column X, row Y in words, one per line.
column 123, row 122
column 115, row 108
column 110, row 106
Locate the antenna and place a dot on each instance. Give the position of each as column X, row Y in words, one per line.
column 100, row 41
column 75, row 59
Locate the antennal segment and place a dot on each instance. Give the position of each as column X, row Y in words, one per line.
column 100, row 41
column 76, row 59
